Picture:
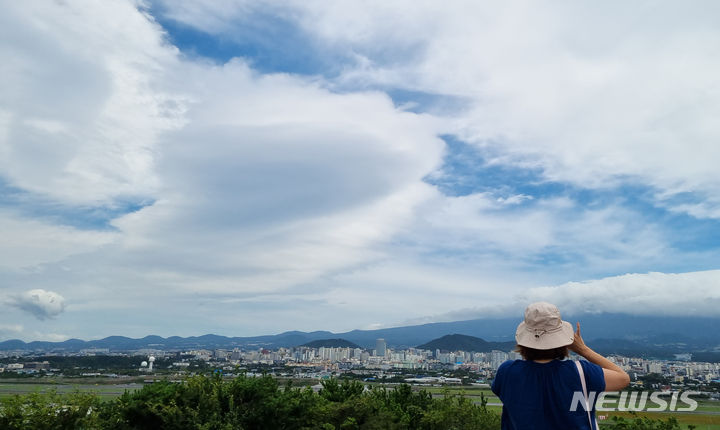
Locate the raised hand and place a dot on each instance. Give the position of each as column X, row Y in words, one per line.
column 578, row 346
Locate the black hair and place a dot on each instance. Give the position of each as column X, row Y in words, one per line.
column 542, row 354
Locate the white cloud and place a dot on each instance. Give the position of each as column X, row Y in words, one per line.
column 83, row 104
column 670, row 294
column 10, row 330
column 548, row 236
column 40, row 303
column 49, row 337
column 30, row 242
column 282, row 179
column 694, row 293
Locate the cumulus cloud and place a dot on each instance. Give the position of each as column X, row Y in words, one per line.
column 40, row 303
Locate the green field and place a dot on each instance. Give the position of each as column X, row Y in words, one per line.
column 104, row 391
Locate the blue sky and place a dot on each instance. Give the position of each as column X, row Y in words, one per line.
column 270, row 43
column 256, row 168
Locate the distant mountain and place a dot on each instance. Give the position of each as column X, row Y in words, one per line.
column 461, row 342
column 607, row 333
column 331, row 343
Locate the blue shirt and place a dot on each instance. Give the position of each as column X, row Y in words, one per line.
column 539, row 396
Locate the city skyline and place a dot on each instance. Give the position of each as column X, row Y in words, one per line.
column 247, row 168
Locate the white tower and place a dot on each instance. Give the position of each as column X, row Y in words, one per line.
column 151, row 360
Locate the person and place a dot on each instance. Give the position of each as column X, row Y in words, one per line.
column 538, row 391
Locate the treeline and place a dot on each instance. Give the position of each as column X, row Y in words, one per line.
column 90, row 361
column 76, row 365
column 257, row 403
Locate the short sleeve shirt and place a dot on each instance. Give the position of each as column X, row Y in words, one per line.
column 540, row 396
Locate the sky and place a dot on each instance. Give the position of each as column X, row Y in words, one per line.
column 244, row 168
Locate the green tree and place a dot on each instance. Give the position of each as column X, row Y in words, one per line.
column 645, row 423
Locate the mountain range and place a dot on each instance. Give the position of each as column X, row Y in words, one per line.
column 608, row 333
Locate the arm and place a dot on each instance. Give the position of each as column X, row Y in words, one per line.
column 615, row 378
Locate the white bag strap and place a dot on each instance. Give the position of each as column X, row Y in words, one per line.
column 585, row 394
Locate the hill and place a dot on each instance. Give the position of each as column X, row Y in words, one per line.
column 461, row 342
column 331, row 343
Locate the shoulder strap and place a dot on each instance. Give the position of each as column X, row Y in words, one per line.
column 581, row 372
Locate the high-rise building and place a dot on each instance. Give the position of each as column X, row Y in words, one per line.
column 380, row 347
column 497, row 358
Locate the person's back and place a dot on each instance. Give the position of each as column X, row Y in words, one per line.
column 545, row 391
column 540, row 396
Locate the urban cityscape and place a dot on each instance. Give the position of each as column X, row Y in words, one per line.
column 382, row 363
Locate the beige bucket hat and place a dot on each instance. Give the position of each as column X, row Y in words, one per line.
column 543, row 328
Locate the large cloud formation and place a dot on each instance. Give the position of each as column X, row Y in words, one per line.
column 590, row 94
column 234, row 182
column 138, row 174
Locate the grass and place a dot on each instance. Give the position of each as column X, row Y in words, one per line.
column 104, row 391
column 700, row 420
